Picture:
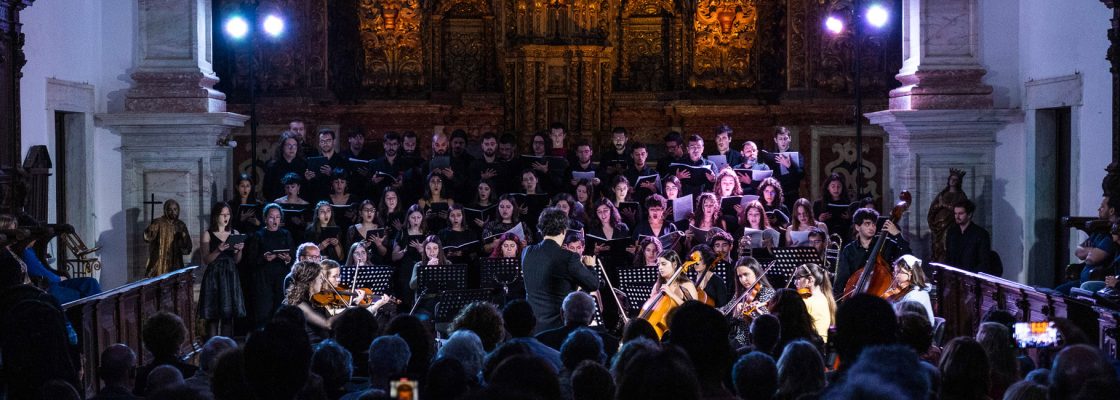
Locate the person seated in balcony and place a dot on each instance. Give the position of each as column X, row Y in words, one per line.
column 1096, row 252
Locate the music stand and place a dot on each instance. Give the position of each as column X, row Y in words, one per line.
column 450, row 302
column 637, row 283
column 372, row 277
column 499, row 273
column 787, row 260
column 440, row 278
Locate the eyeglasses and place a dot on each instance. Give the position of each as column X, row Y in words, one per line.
column 313, row 258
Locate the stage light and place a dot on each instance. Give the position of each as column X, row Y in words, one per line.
column 834, row 25
column 273, row 25
column 877, row 16
column 237, row 27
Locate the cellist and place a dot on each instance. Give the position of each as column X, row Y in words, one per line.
column 678, row 291
column 855, row 253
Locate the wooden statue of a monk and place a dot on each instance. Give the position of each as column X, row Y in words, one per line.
column 168, row 241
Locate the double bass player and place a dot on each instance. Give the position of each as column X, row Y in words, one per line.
column 855, row 253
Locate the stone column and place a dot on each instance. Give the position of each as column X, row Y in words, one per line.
column 175, row 125
column 942, row 116
column 11, row 69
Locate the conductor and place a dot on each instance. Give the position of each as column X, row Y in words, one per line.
column 551, row 272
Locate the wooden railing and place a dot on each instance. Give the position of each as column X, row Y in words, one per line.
column 116, row 316
column 963, row 297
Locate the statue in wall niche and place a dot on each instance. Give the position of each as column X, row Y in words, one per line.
column 940, row 216
column 168, row 241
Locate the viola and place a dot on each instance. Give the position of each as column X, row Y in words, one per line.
column 875, row 276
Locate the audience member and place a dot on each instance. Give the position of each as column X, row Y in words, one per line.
column 117, row 370
column 162, row 377
column 466, row 347
column 766, row 331
column 421, row 345
column 520, row 322
column 482, row 318
column 528, row 376
column 592, row 381
column 447, row 380
column 333, row 364
column 578, row 309
column 278, row 358
column 965, row 372
column 207, row 361
column 1079, row 372
column 800, row 371
column 163, row 334
column 862, row 321
column 354, row 329
column 658, row 373
column 500, row 354
column 755, row 376
column 702, row 331
column 388, row 359
column 229, row 381
column 998, row 344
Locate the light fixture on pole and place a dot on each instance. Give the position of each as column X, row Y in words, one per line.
column 237, row 28
column 876, row 16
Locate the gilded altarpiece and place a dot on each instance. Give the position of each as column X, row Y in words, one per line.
column 519, row 65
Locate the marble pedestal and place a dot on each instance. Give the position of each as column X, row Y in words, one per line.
column 173, row 156
column 924, row 144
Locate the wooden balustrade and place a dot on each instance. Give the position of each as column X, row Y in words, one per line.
column 116, row 316
column 963, row 297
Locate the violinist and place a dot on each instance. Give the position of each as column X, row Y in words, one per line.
column 714, row 287
column 307, row 280
column 815, row 288
column 854, row 254
column 909, row 284
column 752, row 292
column 679, row 290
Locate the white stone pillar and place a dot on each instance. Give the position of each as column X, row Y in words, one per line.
column 942, row 115
column 173, row 123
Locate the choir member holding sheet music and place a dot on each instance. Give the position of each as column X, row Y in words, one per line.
column 786, row 163
column 585, row 193
column 407, row 250
column 391, row 211
column 655, row 224
column 435, row 202
column 832, row 210
column 483, row 207
column 706, row 222
column 605, row 227
column 432, row 255
column 369, row 232
column 731, row 157
column 803, row 222
column 756, row 228
column 287, row 160
column 324, row 232
column 619, row 195
column 566, row 203
column 508, row 217
column 459, row 242
column 695, row 172
column 646, row 181
column 268, row 258
column 246, row 206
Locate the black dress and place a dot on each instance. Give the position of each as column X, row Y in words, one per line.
column 220, row 296
column 266, row 277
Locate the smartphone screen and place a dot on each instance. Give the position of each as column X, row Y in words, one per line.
column 404, row 389
column 1036, row 334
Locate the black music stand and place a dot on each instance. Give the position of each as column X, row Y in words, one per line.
column 440, row 278
column 372, row 277
column 637, row 283
column 450, row 302
column 499, row 273
column 787, row 259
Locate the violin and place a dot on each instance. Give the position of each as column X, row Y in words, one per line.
column 755, row 308
column 340, row 297
column 875, row 276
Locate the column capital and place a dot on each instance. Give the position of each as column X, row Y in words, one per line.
column 940, row 57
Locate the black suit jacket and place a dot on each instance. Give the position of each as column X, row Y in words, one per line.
column 551, row 272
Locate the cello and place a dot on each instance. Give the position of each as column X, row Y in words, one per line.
column 703, row 278
column 657, row 309
column 875, row 276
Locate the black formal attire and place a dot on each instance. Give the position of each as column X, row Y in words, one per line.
column 717, row 290
column 853, row 256
column 220, row 296
column 734, row 157
column 498, row 182
column 266, row 279
column 632, row 174
column 402, row 273
column 789, row 178
column 358, row 177
column 695, row 185
column 395, row 167
column 319, row 188
column 551, row 273
column 835, row 223
column 275, row 170
column 968, row 250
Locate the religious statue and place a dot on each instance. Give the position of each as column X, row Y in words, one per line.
column 940, row 217
column 168, row 241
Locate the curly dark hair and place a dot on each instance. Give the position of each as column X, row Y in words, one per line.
column 552, row 222
column 482, row 318
column 163, row 333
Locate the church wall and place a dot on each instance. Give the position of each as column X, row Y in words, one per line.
column 1023, row 46
column 88, row 43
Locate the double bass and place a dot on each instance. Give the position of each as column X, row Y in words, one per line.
column 657, row 309
column 875, row 276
